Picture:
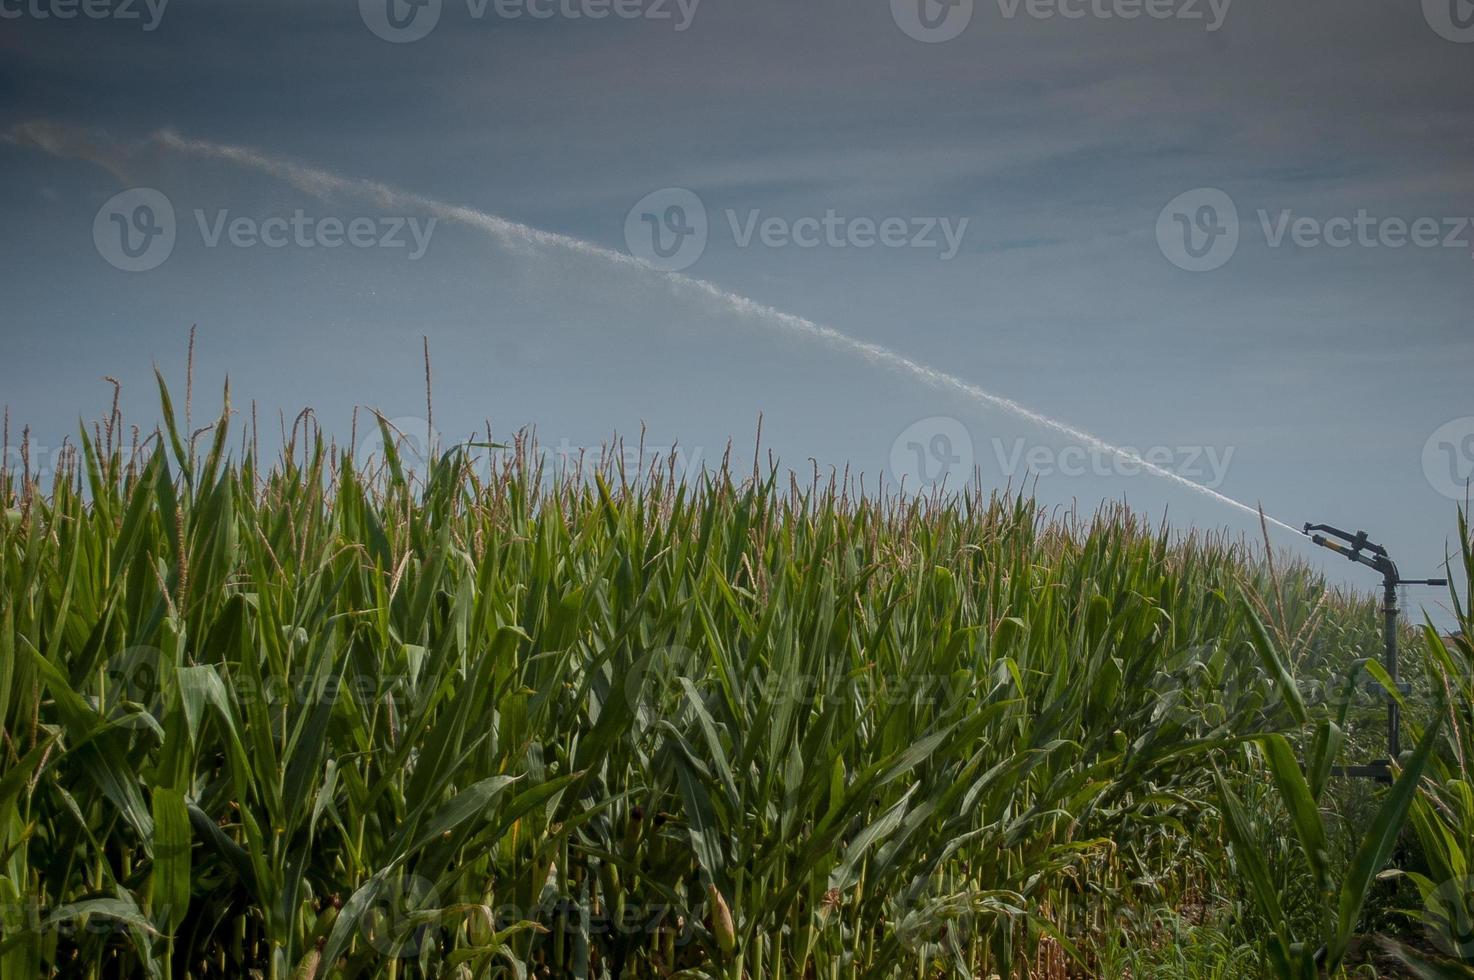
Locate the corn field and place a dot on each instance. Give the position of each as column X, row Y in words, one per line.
column 322, row 717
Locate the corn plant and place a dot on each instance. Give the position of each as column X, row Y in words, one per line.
column 319, row 716
column 1443, row 813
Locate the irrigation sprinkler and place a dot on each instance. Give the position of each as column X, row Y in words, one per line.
column 1357, row 548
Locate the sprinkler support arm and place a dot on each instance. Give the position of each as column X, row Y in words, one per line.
column 1358, row 541
column 1325, row 542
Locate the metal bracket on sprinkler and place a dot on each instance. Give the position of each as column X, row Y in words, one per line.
column 1357, row 548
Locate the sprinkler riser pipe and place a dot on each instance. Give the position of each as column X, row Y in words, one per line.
column 1389, row 612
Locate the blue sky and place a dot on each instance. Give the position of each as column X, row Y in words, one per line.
column 1329, row 382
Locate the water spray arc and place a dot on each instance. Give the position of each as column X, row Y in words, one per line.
column 321, row 183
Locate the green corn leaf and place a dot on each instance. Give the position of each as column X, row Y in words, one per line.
column 1274, row 664
column 1300, row 803
column 1376, row 846
column 171, row 865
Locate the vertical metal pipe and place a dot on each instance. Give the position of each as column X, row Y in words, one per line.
column 1389, row 612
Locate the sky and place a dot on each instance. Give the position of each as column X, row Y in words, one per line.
column 1233, row 236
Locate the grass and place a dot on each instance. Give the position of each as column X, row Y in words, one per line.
column 324, row 717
